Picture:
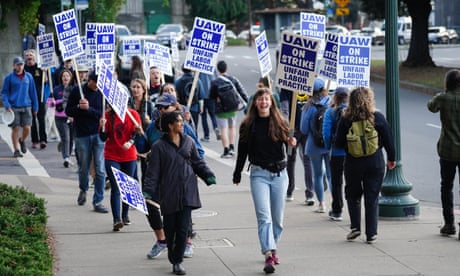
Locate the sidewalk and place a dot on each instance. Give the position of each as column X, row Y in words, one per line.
column 227, row 244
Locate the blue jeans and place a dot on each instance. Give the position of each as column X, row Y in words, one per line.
column 269, row 195
column 129, row 168
column 91, row 148
column 64, row 134
column 318, row 173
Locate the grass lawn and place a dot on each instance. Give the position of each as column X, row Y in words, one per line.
column 427, row 76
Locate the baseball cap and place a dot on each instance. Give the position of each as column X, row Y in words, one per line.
column 319, row 85
column 18, row 60
column 341, row 92
column 92, row 76
column 166, row 100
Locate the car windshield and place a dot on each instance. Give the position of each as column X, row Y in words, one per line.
column 168, row 28
column 434, row 30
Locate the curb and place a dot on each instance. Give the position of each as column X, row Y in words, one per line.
column 409, row 85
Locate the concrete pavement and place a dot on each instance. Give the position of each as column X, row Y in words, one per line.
column 227, row 243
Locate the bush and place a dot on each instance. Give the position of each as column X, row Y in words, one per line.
column 236, row 42
column 23, row 239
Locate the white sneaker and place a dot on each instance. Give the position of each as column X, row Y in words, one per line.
column 188, row 253
column 321, row 209
column 289, row 198
column 309, row 201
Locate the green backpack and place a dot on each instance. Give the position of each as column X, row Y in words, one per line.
column 362, row 139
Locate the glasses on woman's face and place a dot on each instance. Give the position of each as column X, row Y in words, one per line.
column 161, row 107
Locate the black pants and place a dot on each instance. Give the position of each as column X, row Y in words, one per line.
column 337, row 183
column 291, row 160
column 364, row 176
column 447, row 184
column 175, row 227
column 38, row 131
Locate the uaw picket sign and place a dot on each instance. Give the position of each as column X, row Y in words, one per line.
column 354, row 61
column 46, row 51
column 297, row 62
column 328, row 64
column 68, row 34
column 263, row 54
column 90, row 49
column 204, row 45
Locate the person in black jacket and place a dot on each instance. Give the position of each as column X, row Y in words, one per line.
column 364, row 175
column 176, row 190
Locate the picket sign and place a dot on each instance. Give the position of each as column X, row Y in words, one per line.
column 74, row 64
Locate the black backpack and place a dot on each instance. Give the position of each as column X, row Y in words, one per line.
column 318, row 130
column 335, row 123
column 184, row 95
column 228, row 99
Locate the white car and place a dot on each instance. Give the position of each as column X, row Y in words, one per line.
column 438, row 35
column 164, row 31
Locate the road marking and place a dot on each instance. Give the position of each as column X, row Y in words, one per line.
column 209, row 153
column 28, row 162
column 433, row 125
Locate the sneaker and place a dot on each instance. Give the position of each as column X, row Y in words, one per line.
column 276, row 260
column 23, row 146
column 205, row 139
column 309, row 201
column 156, row 250
column 66, row 162
column 117, row 226
column 218, row 136
column 231, row 150
column 289, row 198
column 353, row 234
column 335, row 216
column 179, row 269
column 188, row 253
column 99, row 208
column 17, row 154
column 34, row 145
column 269, row 265
column 448, row 229
column 371, row 240
column 42, row 145
column 81, row 200
column 226, row 155
column 321, row 209
column 126, row 221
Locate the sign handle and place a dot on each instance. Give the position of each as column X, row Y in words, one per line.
column 192, row 91
column 74, row 63
column 103, row 112
column 292, row 119
column 43, row 86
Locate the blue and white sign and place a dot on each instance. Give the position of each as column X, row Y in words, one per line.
column 68, row 34
column 174, row 48
column 82, row 61
column 132, row 47
column 41, row 29
column 354, row 62
column 105, row 45
column 328, row 65
column 312, row 25
column 115, row 92
column 159, row 56
column 297, row 62
column 204, row 45
column 46, row 53
column 91, row 44
column 263, row 54
column 130, row 191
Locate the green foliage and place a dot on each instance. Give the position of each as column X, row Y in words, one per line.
column 376, row 9
column 219, row 10
column 27, row 14
column 23, row 239
column 236, row 42
column 104, row 10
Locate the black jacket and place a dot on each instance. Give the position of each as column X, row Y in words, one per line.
column 171, row 174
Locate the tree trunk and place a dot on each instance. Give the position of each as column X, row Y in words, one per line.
column 419, row 54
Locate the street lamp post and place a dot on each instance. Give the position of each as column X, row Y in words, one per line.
column 395, row 201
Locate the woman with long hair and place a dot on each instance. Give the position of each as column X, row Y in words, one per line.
column 364, row 175
column 263, row 136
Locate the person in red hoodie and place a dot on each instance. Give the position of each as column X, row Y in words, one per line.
column 120, row 153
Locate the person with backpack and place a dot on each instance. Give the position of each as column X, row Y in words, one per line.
column 228, row 93
column 311, row 125
column 331, row 119
column 183, row 87
column 448, row 146
column 364, row 160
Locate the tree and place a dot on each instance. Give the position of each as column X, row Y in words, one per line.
column 104, row 10
column 419, row 10
column 219, row 10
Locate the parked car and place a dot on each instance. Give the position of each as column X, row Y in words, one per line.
column 453, row 36
column 404, row 29
column 438, row 34
column 122, row 30
column 255, row 31
column 337, row 29
column 230, row 34
column 378, row 37
column 164, row 31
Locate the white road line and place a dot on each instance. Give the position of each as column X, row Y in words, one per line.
column 433, row 125
column 28, row 162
